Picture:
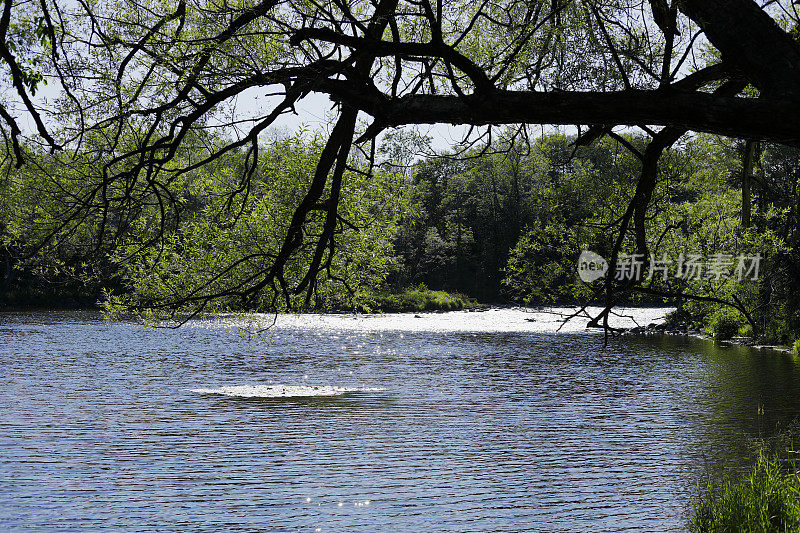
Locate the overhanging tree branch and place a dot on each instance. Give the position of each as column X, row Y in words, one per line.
column 695, row 111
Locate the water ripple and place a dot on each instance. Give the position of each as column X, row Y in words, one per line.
column 450, row 422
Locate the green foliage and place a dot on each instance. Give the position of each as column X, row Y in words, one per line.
column 505, row 224
column 211, row 232
column 724, row 324
column 778, row 331
column 226, row 246
column 510, row 225
column 527, row 214
column 28, row 37
column 416, row 299
column 766, row 499
column 542, row 267
column 698, row 211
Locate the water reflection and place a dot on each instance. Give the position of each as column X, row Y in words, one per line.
column 445, row 428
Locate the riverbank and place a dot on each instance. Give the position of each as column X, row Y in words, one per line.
column 666, row 328
column 411, row 300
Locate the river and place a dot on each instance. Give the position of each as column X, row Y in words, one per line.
column 462, row 421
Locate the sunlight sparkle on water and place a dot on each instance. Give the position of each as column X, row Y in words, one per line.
column 283, row 391
column 531, row 320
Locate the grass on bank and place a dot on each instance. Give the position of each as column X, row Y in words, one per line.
column 412, row 300
column 765, row 499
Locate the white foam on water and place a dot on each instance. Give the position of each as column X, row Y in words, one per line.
column 283, row 391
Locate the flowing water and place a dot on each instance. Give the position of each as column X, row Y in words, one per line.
column 485, row 421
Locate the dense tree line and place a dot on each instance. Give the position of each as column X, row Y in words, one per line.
column 473, row 211
column 141, row 88
column 508, row 224
column 222, row 234
column 504, row 222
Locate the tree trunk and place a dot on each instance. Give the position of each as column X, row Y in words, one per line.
column 751, row 41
